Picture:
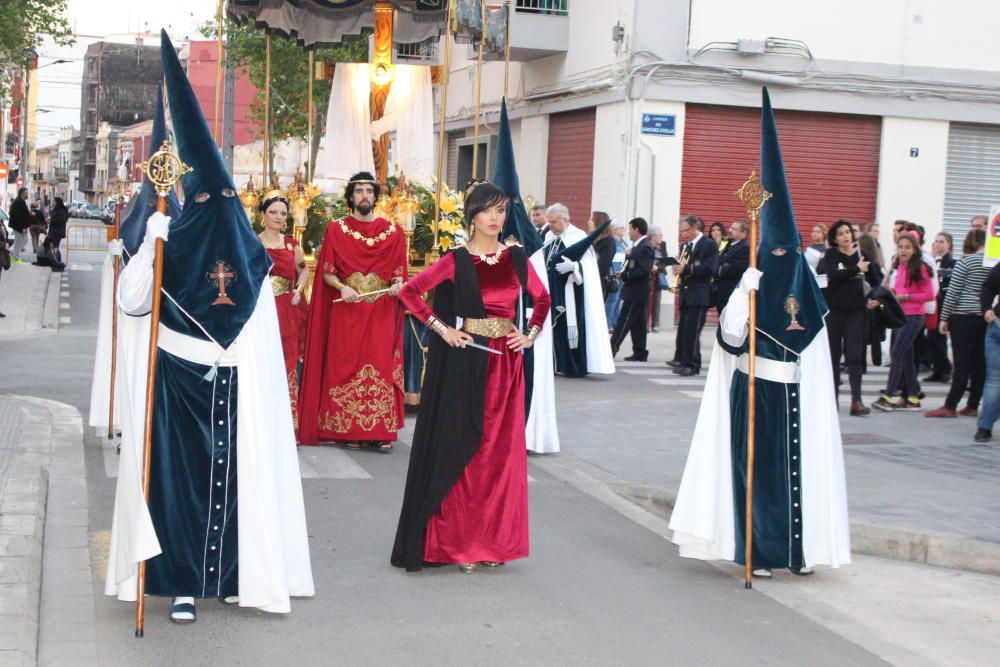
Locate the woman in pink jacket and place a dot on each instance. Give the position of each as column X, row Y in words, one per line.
column 912, row 287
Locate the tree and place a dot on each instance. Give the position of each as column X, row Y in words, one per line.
column 24, row 24
column 289, row 63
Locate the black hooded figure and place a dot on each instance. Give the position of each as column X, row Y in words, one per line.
column 225, row 496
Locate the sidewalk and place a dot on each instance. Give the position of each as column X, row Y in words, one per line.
column 919, row 489
column 29, row 297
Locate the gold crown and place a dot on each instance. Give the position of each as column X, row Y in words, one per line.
column 473, row 184
column 273, row 193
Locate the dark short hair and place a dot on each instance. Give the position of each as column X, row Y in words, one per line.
column 639, row 224
column 349, row 188
column 695, row 221
column 538, row 207
column 21, row 191
column 483, row 196
column 831, row 236
column 739, row 224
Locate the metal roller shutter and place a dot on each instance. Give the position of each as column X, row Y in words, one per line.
column 569, row 172
column 972, row 182
column 831, row 161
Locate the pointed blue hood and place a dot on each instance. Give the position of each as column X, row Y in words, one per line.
column 518, row 224
column 212, row 239
column 788, row 282
column 133, row 227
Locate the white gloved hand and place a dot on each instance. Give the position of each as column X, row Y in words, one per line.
column 565, row 266
column 750, row 280
column 157, row 227
column 115, row 248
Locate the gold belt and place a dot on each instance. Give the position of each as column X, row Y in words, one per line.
column 280, row 285
column 362, row 283
column 491, row 327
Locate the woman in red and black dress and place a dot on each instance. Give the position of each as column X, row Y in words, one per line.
column 466, row 498
column 289, row 275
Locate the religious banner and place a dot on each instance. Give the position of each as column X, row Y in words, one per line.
column 496, row 31
column 468, row 20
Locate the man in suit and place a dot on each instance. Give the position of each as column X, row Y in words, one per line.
column 695, row 293
column 733, row 261
column 635, row 292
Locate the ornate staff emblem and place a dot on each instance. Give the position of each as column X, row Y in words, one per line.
column 221, row 277
column 164, row 168
column 792, row 308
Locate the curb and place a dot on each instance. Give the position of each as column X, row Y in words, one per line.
column 44, row 551
column 50, row 311
column 912, row 546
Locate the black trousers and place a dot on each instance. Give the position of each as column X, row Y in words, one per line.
column 689, row 336
column 846, row 329
column 968, row 338
column 632, row 319
column 938, row 345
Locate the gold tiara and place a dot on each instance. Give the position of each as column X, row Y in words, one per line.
column 273, row 193
column 473, row 184
column 360, row 181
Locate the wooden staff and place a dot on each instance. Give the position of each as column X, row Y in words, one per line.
column 163, row 168
column 479, row 81
column 753, row 195
column 506, row 49
column 442, row 146
column 114, row 320
column 218, row 70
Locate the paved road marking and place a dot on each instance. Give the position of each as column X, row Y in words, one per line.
column 81, row 267
column 694, row 394
column 65, row 319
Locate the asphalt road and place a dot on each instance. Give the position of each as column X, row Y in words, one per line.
column 602, row 586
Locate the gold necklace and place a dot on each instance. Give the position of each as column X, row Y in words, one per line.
column 264, row 242
column 492, row 259
column 370, row 240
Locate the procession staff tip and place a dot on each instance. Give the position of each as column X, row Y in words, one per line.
column 753, row 196
column 163, row 169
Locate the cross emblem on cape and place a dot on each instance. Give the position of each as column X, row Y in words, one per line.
column 221, row 277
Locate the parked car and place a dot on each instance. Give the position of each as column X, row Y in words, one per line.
column 91, row 212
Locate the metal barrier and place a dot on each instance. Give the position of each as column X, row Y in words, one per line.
column 87, row 237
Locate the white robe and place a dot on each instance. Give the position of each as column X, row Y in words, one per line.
column 599, row 357
column 100, row 386
column 542, row 430
column 274, row 561
column 702, row 519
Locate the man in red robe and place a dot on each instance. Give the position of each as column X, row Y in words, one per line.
column 352, row 378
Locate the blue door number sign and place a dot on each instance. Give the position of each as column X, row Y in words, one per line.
column 660, row 124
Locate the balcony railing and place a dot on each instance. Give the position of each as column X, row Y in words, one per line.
column 538, row 28
column 549, row 7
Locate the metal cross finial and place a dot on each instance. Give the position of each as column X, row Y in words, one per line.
column 753, row 195
column 164, row 168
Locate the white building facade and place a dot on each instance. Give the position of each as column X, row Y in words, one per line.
column 887, row 110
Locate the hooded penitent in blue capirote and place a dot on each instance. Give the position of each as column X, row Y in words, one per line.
column 225, row 515
column 800, row 504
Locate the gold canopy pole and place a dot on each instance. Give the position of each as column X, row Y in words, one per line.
column 218, row 70
column 267, row 110
column 309, row 120
column 479, row 81
column 754, row 196
column 443, row 82
column 163, row 168
column 506, row 50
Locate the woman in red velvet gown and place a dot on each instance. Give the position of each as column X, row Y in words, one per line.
column 466, row 499
column 289, row 275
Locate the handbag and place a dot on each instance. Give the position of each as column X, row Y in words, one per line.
column 611, row 284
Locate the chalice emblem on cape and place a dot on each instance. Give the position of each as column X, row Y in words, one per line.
column 792, row 308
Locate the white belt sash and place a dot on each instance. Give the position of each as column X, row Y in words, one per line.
column 785, row 372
